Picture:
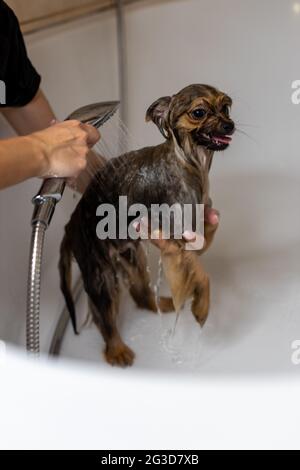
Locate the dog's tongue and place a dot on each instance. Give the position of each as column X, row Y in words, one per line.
column 222, row 140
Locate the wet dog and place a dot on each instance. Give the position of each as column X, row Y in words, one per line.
column 195, row 123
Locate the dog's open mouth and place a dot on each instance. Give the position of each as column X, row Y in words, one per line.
column 218, row 140
column 212, row 140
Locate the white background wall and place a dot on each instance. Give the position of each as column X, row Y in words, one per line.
column 249, row 49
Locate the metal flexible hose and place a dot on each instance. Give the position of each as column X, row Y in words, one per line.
column 34, row 289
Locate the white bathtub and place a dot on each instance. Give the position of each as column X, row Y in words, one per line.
column 196, row 389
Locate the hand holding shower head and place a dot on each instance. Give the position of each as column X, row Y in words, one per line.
column 96, row 115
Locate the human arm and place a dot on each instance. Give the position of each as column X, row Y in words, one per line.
column 32, row 117
column 59, row 151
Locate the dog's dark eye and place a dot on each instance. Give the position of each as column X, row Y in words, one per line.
column 198, row 113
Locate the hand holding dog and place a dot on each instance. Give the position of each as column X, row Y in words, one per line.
column 211, row 223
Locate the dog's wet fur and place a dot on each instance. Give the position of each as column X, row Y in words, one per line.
column 195, row 123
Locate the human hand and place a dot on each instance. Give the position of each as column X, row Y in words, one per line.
column 64, row 148
column 193, row 239
column 211, row 216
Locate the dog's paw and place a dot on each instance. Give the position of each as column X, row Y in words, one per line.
column 202, row 319
column 119, row 355
column 166, row 304
column 200, row 311
column 200, row 304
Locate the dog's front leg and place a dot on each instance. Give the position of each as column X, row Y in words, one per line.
column 186, row 279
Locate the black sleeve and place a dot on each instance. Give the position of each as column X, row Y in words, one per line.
column 17, row 74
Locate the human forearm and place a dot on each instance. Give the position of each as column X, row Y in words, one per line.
column 59, row 151
column 35, row 116
column 20, row 158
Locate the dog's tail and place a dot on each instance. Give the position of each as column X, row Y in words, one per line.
column 65, row 270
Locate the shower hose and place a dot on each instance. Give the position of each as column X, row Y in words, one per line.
column 44, row 206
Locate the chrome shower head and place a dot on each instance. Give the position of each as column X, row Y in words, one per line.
column 95, row 114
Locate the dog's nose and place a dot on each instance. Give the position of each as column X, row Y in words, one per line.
column 228, row 126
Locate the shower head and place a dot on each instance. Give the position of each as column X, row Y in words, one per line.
column 95, row 114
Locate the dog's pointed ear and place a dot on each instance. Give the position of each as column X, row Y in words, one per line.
column 158, row 113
